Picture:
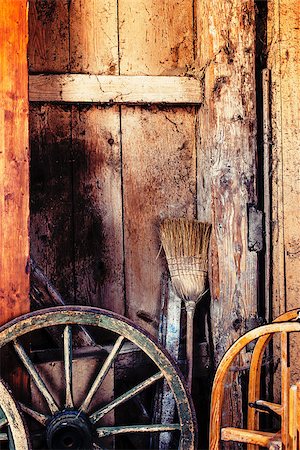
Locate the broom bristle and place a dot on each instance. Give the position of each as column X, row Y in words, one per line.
column 186, row 245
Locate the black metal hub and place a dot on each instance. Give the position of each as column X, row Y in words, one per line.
column 69, row 429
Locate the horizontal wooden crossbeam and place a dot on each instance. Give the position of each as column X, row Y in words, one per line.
column 80, row 88
column 250, row 437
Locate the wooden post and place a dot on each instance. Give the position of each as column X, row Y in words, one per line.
column 14, row 171
column 284, row 64
column 227, row 170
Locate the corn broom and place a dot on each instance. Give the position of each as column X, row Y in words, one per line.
column 186, row 243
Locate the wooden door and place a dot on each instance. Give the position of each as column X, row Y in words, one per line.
column 104, row 175
column 143, row 110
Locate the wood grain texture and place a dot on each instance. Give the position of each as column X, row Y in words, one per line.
column 98, row 245
column 14, row 161
column 156, row 37
column 114, row 89
column 159, row 176
column 51, row 195
column 94, row 37
column 284, row 63
column 226, row 170
column 48, row 49
column 98, row 235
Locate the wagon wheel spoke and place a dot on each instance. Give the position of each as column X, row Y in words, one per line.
column 35, row 376
column 102, row 373
column 124, row 397
column 3, row 422
column 69, row 403
column 39, row 417
column 97, row 446
column 152, row 428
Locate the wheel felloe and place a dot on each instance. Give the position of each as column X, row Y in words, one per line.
column 69, row 430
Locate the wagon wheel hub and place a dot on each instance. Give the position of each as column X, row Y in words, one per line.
column 69, row 430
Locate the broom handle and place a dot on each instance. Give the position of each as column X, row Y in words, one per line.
column 190, row 312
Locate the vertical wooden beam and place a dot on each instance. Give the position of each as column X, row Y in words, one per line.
column 158, row 146
column 159, row 176
column 284, row 63
column 98, row 207
column 14, row 170
column 226, row 170
column 97, row 172
column 49, row 42
column 50, row 146
column 94, row 37
column 51, row 194
column 156, row 37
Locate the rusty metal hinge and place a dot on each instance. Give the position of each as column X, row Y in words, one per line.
column 255, row 229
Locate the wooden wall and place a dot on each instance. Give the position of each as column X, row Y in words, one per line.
column 284, row 65
column 104, row 176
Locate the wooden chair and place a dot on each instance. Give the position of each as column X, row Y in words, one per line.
column 288, row 436
column 255, row 377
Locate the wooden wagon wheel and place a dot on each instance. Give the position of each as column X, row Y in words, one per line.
column 74, row 426
column 12, row 428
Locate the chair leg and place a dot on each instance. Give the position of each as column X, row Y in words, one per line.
column 285, row 388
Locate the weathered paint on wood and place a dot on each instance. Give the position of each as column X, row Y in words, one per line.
column 159, row 176
column 226, row 169
column 94, row 37
column 51, row 195
column 114, row 89
column 284, row 63
column 156, row 37
column 98, row 236
column 14, row 162
column 49, row 39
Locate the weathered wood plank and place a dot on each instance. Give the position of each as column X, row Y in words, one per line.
column 14, row 161
column 158, row 148
column 98, row 234
column 226, row 166
column 284, row 63
column 51, row 228
column 97, row 201
column 14, row 175
column 156, row 37
column 114, row 89
column 159, row 176
column 94, row 37
column 48, row 49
